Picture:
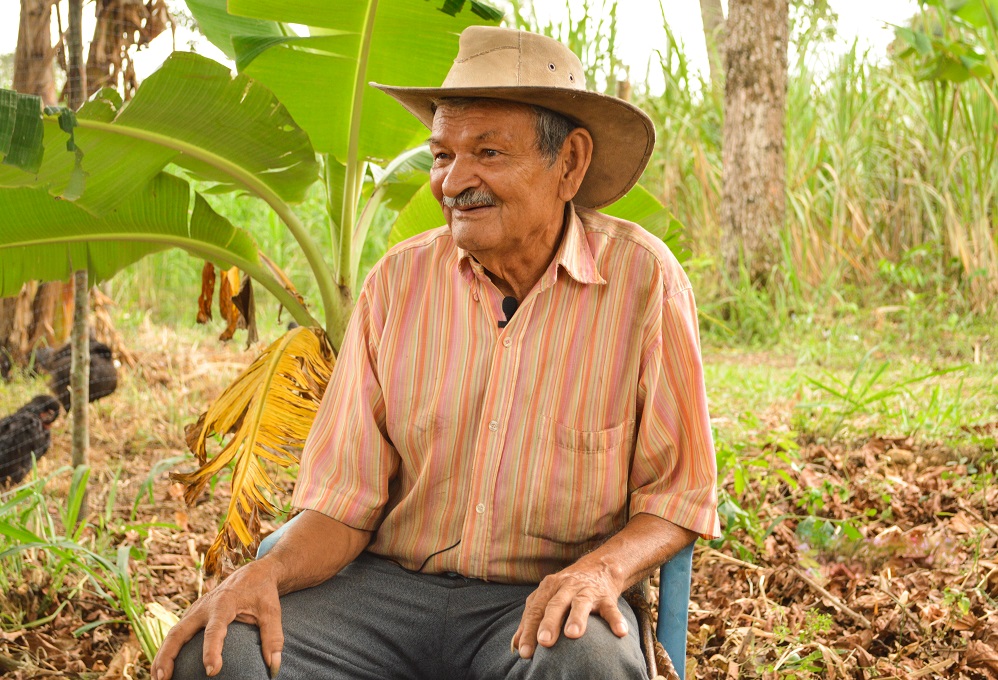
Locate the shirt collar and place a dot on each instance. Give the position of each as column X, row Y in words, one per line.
column 573, row 255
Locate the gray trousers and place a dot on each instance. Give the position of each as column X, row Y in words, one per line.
column 378, row 621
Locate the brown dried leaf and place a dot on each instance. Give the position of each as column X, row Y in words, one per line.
column 982, row 655
column 207, row 292
column 246, row 305
column 123, row 665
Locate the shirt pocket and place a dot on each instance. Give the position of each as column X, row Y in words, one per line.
column 578, row 489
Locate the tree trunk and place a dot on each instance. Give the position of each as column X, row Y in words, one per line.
column 713, row 33
column 753, row 205
column 34, row 56
column 79, row 377
column 34, row 59
column 76, row 75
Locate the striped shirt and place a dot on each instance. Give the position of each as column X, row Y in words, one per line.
column 507, row 453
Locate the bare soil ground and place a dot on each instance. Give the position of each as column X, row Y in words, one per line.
column 912, row 596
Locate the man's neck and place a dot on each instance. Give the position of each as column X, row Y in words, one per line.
column 516, row 273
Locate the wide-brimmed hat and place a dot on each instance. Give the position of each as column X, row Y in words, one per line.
column 501, row 63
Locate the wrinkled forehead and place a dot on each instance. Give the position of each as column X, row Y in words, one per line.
column 478, row 117
column 463, row 104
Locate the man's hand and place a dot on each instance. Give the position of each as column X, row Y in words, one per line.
column 595, row 583
column 584, row 587
column 313, row 549
column 249, row 595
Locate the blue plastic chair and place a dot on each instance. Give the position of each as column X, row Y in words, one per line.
column 674, row 607
column 673, row 599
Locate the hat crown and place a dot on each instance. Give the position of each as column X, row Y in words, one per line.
column 504, row 57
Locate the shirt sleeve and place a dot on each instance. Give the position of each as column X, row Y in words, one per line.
column 348, row 458
column 674, row 474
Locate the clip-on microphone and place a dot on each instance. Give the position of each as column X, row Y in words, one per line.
column 509, row 307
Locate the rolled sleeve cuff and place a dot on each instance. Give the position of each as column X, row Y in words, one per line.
column 354, row 515
column 695, row 509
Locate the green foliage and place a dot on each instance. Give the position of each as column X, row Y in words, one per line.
column 861, row 392
column 127, row 206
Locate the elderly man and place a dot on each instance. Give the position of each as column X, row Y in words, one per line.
column 516, row 430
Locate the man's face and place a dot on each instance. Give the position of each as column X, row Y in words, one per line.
column 486, row 160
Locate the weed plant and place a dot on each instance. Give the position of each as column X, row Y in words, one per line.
column 75, row 559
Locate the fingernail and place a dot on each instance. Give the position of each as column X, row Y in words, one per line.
column 209, row 670
column 573, row 629
column 544, row 637
column 512, row 646
column 275, row 664
column 526, row 651
column 159, row 674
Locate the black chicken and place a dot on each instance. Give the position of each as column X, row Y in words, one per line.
column 24, row 433
column 103, row 374
column 4, row 365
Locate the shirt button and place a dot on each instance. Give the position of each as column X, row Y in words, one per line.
column 493, row 425
column 507, row 342
column 474, row 296
column 480, row 508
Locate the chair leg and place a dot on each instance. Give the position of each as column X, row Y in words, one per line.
column 674, row 607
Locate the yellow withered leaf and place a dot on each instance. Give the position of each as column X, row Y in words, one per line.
column 265, row 416
column 227, row 287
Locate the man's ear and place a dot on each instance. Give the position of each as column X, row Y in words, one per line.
column 576, row 154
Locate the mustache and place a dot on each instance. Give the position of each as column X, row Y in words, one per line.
column 471, row 197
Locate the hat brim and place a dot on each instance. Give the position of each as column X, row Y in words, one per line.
column 623, row 135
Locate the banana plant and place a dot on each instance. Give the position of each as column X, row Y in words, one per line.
column 106, row 185
column 298, row 112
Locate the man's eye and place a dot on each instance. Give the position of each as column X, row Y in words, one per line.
column 440, row 156
column 491, row 153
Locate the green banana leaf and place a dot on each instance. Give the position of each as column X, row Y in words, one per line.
column 422, row 212
column 35, row 225
column 45, row 238
column 323, row 79
column 219, row 26
column 191, row 112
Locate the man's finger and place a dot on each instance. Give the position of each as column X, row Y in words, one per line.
column 271, row 636
column 178, row 636
column 525, row 640
column 214, row 638
column 575, row 625
column 610, row 612
column 554, row 614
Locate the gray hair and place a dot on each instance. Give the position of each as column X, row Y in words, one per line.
column 552, row 127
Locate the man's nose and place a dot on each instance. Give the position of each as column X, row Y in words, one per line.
column 461, row 175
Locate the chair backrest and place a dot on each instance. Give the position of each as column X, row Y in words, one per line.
column 673, row 600
column 674, row 607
